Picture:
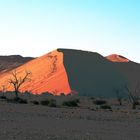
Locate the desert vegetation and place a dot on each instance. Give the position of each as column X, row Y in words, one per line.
column 46, row 113
column 133, row 94
column 71, row 101
column 16, row 82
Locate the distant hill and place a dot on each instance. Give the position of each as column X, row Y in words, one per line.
column 76, row 71
column 10, row 62
column 117, row 58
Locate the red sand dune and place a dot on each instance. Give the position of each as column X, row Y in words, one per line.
column 117, row 58
column 47, row 74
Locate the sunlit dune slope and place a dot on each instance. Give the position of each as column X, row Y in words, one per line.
column 117, row 58
column 47, row 75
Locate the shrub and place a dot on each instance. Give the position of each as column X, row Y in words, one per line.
column 45, row 102
column 77, row 100
column 3, row 97
column 52, row 103
column 62, row 94
column 47, row 93
column 27, row 93
column 92, row 98
column 22, row 101
column 72, row 103
column 35, row 102
column 137, row 103
column 17, row 100
column 105, row 107
column 99, row 102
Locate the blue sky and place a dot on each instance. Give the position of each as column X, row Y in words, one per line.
column 35, row 27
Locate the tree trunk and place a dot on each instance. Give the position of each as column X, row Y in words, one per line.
column 133, row 105
column 120, row 102
column 16, row 93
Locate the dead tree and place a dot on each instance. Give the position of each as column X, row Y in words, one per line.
column 119, row 97
column 133, row 95
column 17, row 81
column 137, row 90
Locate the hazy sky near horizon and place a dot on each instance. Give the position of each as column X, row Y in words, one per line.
column 35, row 27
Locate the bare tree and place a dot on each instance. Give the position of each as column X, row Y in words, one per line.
column 133, row 94
column 17, row 81
column 4, row 89
column 119, row 97
column 137, row 89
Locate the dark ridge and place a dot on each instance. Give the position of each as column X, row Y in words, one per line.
column 122, row 57
column 12, row 61
column 15, row 58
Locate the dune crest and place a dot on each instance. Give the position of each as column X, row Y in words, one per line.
column 117, row 58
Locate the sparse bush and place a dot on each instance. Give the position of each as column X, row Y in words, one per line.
column 50, row 103
column 137, row 103
column 3, row 97
column 27, row 93
column 17, row 100
column 99, row 102
column 62, row 94
column 92, row 98
column 72, row 103
column 47, row 93
column 35, row 102
column 45, row 102
column 77, row 100
column 105, row 107
column 22, row 101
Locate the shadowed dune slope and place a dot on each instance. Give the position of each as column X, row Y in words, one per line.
column 93, row 75
column 47, row 74
column 131, row 71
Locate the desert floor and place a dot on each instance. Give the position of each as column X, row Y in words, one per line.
column 37, row 122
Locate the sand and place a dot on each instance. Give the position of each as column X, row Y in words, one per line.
column 37, row 122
